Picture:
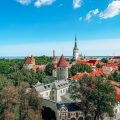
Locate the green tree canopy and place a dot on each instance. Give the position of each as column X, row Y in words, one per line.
column 98, row 65
column 97, row 96
column 119, row 67
column 43, row 60
column 104, row 60
column 49, row 68
column 80, row 68
column 114, row 76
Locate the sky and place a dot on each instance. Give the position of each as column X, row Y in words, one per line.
column 38, row 26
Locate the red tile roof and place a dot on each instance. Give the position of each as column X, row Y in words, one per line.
column 115, row 83
column 118, row 97
column 95, row 72
column 89, row 62
column 92, row 61
column 113, row 65
column 81, row 62
column 29, row 60
column 62, row 62
column 38, row 67
column 116, row 57
column 117, row 88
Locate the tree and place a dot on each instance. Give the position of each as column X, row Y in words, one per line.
column 30, row 103
column 104, row 98
column 98, row 65
column 43, row 60
column 81, row 91
column 9, row 101
column 41, row 76
column 104, row 60
column 119, row 67
column 80, row 68
column 97, row 96
column 114, row 76
column 48, row 69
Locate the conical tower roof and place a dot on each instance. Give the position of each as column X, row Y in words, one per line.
column 62, row 62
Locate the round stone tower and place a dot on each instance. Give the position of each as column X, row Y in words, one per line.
column 55, row 61
column 62, row 69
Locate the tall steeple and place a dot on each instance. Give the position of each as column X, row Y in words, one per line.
column 75, row 47
column 75, row 50
column 53, row 53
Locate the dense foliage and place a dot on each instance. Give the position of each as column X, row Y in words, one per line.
column 119, row 67
column 97, row 96
column 80, row 68
column 114, row 76
column 104, row 60
column 43, row 60
column 18, row 99
column 48, row 69
column 98, row 66
column 19, row 103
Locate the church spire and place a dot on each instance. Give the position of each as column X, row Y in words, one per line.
column 75, row 47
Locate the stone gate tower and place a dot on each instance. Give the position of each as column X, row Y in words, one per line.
column 62, row 69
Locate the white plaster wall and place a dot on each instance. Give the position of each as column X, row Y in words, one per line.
column 45, row 94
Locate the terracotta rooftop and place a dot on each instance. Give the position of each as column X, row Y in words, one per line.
column 116, row 57
column 62, row 62
column 113, row 65
column 92, row 61
column 116, row 83
column 29, row 60
column 95, row 72
column 38, row 67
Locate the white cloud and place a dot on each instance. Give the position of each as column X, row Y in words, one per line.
column 77, row 3
column 88, row 47
column 112, row 10
column 91, row 13
column 40, row 3
column 24, row 2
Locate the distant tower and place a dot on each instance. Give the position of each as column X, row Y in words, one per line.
column 62, row 69
column 53, row 53
column 29, row 62
column 75, row 51
column 55, row 61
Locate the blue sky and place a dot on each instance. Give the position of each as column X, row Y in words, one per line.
column 39, row 26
